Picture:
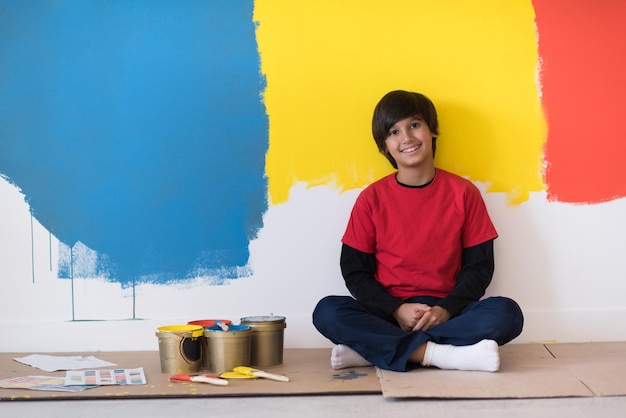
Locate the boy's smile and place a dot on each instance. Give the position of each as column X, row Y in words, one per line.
column 410, row 149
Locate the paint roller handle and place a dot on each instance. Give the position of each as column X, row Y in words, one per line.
column 209, row 379
column 222, row 325
column 272, row 376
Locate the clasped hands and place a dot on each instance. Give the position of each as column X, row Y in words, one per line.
column 420, row 317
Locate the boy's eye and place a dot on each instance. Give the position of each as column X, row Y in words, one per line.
column 415, row 125
column 393, row 132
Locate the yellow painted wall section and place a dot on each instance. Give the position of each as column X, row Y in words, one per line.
column 327, row 64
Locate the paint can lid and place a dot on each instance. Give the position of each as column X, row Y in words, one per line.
column 231, row 328
column 265, row 323
column 209, row 322
column 263, row 319
column 193, row 331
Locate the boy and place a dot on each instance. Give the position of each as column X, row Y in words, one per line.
column 417, row 255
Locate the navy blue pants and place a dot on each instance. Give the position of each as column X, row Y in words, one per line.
column 378, row 338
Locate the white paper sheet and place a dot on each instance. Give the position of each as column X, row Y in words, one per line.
column 54, row 363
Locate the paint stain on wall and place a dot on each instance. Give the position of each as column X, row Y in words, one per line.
column 137, row 129
column 328, row 63
column 582, row 47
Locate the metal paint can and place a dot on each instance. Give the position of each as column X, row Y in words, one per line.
column 268, row 335
column 228, row 349
column 180, row 348
column 205, row 323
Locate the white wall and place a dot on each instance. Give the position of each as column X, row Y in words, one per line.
column 562, row 263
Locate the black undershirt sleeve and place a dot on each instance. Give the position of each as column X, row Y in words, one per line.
column 477, row 265
column 358, row 269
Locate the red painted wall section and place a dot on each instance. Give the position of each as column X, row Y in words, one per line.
column 582, row 47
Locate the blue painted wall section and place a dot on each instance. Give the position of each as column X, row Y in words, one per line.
column 137, row 128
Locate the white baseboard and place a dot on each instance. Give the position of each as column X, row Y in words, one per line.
column 584, row 325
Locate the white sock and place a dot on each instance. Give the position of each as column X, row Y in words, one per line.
column 482, row 356
column 343, row 356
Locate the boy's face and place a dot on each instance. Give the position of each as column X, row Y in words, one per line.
column 410, row 143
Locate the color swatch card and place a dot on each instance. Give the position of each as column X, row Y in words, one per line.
column 51, row 383
column 106, row 377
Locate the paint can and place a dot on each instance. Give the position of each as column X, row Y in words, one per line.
column 205, row 323
column 268, row 334
column 228, row 349
column 180, row 348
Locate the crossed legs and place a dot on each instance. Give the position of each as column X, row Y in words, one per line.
column 467, row 342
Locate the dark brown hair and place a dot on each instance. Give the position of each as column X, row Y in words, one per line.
column 397, row 105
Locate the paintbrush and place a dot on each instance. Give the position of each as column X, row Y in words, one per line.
column 205, row 378
column 260, row 373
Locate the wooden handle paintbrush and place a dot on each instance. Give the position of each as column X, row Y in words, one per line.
column 260, row 373
column 205, row 378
